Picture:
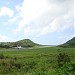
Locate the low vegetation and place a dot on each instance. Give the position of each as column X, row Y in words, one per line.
column 23, row 43
column 65, row 65
column 38, row 61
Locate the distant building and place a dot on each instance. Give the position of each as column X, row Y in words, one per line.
column 18, row 47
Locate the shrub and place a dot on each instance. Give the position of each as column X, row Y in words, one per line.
column 62, row 59
column 2, row 56
column 65, row 66
column 67, row 69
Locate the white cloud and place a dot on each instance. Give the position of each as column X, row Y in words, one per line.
column 74, row 18
column 40, row 17
column 6, row 11
column 21, row 25
column 12, row 20
column 32, row 9
column 4, row 38
column 65, row 38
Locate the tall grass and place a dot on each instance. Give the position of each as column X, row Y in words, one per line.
column 38, row 61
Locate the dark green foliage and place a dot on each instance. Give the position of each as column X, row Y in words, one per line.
column 37, row 61
column 70, row 43
column 15, row 58
column 6, row 44
column 62, row 59
column 23, row 43
column 65, row 66
column 67, row 69
column 26, row 43
column 2, row 56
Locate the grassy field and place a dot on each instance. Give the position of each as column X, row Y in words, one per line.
column 36, row 61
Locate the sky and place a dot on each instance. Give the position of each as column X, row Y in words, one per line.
column 47, row 22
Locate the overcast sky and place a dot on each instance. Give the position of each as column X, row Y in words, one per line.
column 48, row 22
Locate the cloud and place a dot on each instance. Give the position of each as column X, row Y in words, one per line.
column 6, row 11
column 65, row 38
column 74, row 18
column 30, row 10
column 4, row 38
column 40, row 17
column 12, row 20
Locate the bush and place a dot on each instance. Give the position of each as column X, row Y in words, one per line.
column 65, row 66
column 2, row 56
column 62, row 59
column 67, row 69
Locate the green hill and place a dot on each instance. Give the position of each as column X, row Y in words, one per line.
column 70, row 43
column 23, row 43
column 26, row 43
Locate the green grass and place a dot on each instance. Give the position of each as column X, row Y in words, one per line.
column 36, row 61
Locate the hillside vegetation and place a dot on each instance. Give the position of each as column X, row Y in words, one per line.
column 37, row 60
column 70, row 43
column 23, row 43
